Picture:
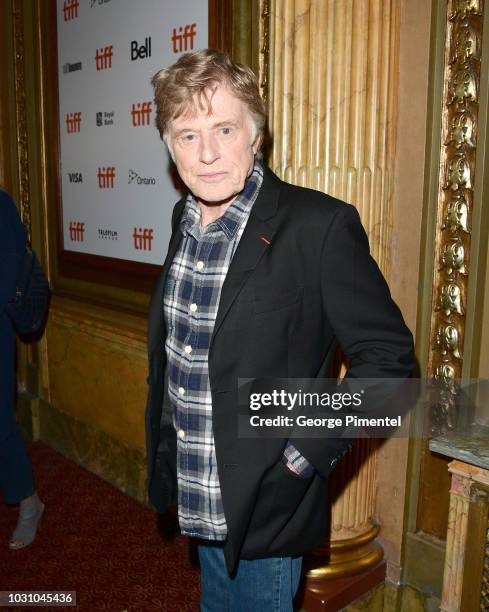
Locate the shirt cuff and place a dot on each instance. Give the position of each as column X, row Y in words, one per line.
column 300, row 463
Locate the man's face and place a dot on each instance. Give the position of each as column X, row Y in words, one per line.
column 214, row 153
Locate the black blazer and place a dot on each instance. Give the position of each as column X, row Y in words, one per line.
column 283, row 307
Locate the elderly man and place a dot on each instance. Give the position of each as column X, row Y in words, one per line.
column 262, row 279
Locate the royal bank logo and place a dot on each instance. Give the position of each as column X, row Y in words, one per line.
column 75, row 177
column 67, row 67
column 107, row 234
column 136, row 179
column 105, row 118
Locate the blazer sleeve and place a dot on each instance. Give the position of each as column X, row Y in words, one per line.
column 366, row 321
column 12, row 247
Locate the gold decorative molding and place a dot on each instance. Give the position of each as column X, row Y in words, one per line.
column 264, row 41
column 332, row 104
column 455, row 203
column 21, row 115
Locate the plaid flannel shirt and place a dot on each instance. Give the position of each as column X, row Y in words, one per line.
column 191, row 301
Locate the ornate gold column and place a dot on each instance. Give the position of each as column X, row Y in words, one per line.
column 332, row 106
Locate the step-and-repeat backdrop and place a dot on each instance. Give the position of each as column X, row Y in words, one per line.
column 117, row 191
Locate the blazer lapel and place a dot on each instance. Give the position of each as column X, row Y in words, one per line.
column 155, row 317
column 256, row 239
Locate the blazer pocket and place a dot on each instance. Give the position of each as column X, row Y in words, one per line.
column 276, row 301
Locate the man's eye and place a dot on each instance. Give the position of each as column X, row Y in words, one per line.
column 226, row 131
column 188, row 137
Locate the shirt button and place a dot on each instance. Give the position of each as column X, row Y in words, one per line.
column 193, row 307
column 334, row 462
column 188, row 349
column 181, row 391
column 181, row 434
column 200, row 265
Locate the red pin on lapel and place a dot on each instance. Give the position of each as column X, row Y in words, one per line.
column 265, row 240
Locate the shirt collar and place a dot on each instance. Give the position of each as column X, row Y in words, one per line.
column 236, row 214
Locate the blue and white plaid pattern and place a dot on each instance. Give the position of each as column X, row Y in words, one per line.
column 191, row 301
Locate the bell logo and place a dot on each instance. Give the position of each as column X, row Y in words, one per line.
column 73, row 122
column 140, row 113
column 103, row 57
column 70, row 9
column 181, row 40
column 142, row 238
column 140, row 51
column 106, row 177
column 77, row 229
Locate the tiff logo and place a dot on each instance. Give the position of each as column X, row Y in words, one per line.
column 142, row 238
column 180, row 40
column 106, row 177
column 77, row 229
column 140, row 51
column 140, row 113
column 73, row 122
column 70, row 9
column 103, row 57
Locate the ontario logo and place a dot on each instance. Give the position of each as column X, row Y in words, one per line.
column 135, row 178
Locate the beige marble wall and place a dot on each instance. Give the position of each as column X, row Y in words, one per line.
column 97, row 367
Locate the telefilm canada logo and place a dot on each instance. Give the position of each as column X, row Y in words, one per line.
column 183, row 40
column 135, row 178
column 103, row 57
column 70, row 9
column 106, row 177
column 107, row 234
column 143, row 237
column 67, row 67
column 105, row 118
column 140, row 51
column 77, row 231
column 141, row 113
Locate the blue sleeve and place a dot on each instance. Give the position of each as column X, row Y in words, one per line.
column 12, row 247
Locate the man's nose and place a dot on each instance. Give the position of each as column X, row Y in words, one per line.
column 209, row 149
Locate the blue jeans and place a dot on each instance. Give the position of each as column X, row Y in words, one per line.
column 261, row 585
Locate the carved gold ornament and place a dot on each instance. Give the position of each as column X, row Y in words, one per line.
column 463, row 46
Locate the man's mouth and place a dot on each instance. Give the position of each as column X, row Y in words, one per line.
column 210, row 177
